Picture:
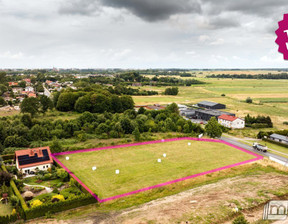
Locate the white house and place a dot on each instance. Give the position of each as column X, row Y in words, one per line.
column 29, row 89
column 28, row 160
column 231, row 121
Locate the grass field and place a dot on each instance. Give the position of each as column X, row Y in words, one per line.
column 139, row 167
column 270, row 97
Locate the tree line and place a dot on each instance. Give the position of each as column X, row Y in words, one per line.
column 258, row 122
column 24, row 130
column 245, row 76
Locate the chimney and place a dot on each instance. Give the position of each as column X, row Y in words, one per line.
column 40, row 153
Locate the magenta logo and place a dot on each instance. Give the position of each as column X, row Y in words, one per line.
column 282, row 36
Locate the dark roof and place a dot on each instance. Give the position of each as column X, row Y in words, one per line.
column 282, row 137
column 208, row 103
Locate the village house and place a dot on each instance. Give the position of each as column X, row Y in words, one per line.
column 17, row 90
column 13, row 83
column 30, row 160
column 29, row 89
column 231, row 121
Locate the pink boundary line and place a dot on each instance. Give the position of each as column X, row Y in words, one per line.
column 258, row 157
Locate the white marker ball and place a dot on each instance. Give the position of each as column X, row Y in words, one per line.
column 67, row 157
column 159, row 160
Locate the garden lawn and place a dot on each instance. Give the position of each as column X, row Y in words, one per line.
column 139, row 167
column 5, row 209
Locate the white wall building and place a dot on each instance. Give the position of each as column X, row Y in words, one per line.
column 231, row 121
column 29, row 89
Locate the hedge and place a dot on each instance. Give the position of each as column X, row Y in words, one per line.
column 275, row 142
column 8, row 219
column 6, row 157
column 16, row 191
column 60, row 206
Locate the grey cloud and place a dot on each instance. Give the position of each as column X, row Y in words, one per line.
column 222, row 23
column 149, row 10
column 263, row 8
column 81, row 7
column 152, row 10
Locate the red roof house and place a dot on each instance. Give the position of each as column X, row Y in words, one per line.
column 231, row 121
column 28, row 160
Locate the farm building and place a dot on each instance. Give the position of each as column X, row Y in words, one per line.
column 231, row 121
column 211, row 105
column 279, row 138
column 207, row 114
column 28, row 160
column 203, row 114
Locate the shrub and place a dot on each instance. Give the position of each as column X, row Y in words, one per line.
column 59, row 206
column 59, row 197
column 249, row 100
column 36, row 203
column 240, row 220
column 55, row 191
column 14, row 200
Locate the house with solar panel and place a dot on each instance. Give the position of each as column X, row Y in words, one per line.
column 29, row 160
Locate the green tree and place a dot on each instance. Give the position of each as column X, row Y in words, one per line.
column 38, row 132
column 3, row 89
column 22, row 84
column 137, row 135
column 100, row 103
column 30, row 105
column 26, row 120
column 171, row 91
column 127, row 102
column 126, row 125
column 2, row 77
column 213, row 128
column 116, row 104
column 83, row 104
column 62, row 174
column 46, row 103
column 141, row 110
column 2, row 101
column 55, row 146
column 173, row 108
column 66, row 101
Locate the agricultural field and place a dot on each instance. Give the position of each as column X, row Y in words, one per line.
column 139, row 167
column 270, row 97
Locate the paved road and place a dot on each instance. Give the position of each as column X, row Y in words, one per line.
column 250, row 148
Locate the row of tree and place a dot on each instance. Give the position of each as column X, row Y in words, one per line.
column 258, row 122
column 245, row 76
column 23, row 130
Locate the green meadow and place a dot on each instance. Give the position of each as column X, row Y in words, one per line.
column 139, row 167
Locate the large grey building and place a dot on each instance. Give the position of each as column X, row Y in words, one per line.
column 211, row 105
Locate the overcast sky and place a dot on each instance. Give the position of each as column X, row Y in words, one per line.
column 140, row 33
